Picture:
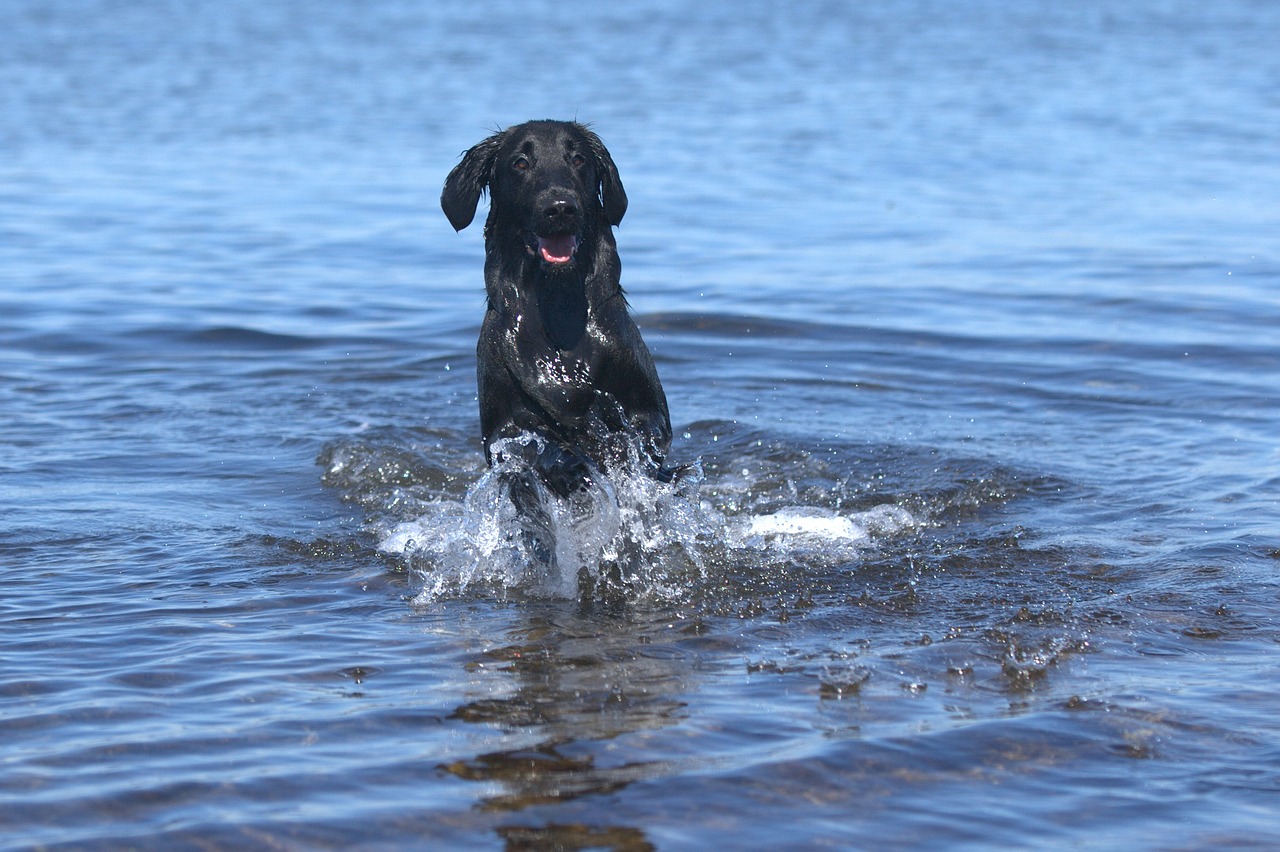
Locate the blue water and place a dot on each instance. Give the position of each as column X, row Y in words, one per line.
column 966, row 312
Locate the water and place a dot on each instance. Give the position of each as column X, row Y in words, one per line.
column 967, row 320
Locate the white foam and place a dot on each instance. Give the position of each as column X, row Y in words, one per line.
column 805, row 521
column 816, row 522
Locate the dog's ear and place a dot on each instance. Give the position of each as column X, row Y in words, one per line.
column 612, row 195
column 467, row 181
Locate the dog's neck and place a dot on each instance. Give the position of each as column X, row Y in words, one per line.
column 563, row 300
column 561, row 297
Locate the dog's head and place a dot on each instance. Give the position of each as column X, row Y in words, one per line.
column 548, row 181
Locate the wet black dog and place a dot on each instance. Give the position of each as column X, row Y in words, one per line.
column 559, row 356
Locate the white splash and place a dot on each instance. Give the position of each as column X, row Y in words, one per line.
column 625, row 531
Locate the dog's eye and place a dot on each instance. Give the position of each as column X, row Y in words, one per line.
column 578, row 160
column 520, row 164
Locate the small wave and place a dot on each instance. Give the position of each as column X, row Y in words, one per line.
column 238, row 337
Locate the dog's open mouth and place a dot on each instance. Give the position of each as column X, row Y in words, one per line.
column 556, row 249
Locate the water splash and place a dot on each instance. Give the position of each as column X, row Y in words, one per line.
column 624, row 533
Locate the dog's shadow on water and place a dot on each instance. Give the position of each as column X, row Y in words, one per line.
column 568, row 675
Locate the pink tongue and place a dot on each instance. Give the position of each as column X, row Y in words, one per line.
column 558, row 248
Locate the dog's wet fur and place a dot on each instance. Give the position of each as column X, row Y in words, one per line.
column 559, row 355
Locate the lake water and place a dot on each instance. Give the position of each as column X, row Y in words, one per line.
column 967, row 313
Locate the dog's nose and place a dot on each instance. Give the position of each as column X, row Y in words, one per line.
column 560, row 210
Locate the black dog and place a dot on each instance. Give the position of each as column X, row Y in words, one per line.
column 559, row 356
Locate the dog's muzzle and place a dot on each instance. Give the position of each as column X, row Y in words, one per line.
column 555, row 234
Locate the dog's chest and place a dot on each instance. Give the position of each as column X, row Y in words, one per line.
column 562, row 369
column 559, row 373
